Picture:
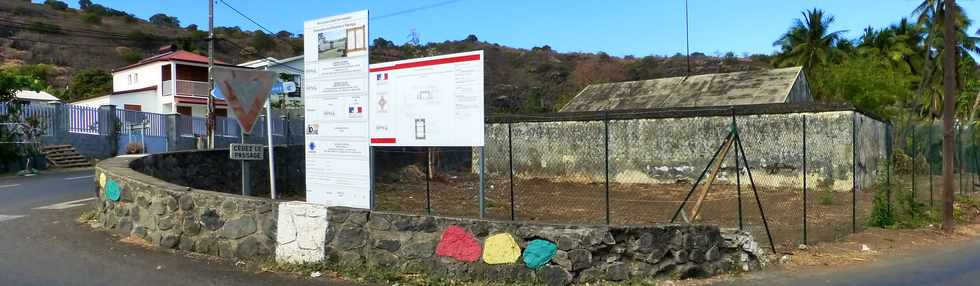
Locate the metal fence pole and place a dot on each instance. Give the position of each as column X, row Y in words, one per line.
column 738, row 177
column 889, row 161
column 605, row 117
column 915, row 162
column 483, row 160
column 510, row 162
column 428, row 171
column 854, row 172
column 804, row 181
column 929, row 163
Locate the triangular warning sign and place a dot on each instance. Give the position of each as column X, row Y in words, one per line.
column 246, row 92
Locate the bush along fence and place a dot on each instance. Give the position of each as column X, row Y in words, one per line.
column 106, row 131
column 171, row 216
column 814, row 169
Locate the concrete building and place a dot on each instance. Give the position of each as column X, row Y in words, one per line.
column 290, row 70
column 35, row 97
column 785, row 85
column 173, row 81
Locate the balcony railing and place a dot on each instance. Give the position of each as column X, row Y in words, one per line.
column 186, row 88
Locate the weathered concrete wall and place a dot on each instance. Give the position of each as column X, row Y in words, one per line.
column 177, row 217
column 669, row 150
column 871, row 150
column 460, row 249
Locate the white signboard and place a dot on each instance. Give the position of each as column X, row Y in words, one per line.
column 336, row 91
column 434, row 101
column 249, row 152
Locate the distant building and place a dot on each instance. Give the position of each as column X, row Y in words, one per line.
column 784, row 85
column 35, row 97
column 290, row 70
column 174, row 81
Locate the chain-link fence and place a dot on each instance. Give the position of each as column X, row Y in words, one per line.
column 805, row 173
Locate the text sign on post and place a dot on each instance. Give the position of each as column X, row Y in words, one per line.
column 247, row 152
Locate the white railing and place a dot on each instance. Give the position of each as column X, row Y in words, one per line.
column 186, row 88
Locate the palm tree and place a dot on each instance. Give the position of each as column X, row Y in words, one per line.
column 809, row 42
column 931, row 19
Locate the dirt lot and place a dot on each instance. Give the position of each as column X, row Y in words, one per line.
column 829, row 214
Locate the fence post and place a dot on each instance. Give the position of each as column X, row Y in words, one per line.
column 605, row 119
column 915, row 162
column 428, row 171
column 804, row 182
column 929, row 162
column 510, row 162
column 854, row 171
column 889, row 160
column 738, row 174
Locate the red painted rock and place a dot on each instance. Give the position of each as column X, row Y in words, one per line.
column 459, row 244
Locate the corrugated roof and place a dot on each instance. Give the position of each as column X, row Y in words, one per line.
column 722, row 89
column 179, row 55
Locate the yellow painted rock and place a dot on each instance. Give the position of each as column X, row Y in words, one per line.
column 102, row 180
column 501, row 249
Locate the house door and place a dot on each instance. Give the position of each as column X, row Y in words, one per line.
column 186, row 120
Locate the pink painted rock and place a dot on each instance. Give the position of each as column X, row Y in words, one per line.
column 459, row 244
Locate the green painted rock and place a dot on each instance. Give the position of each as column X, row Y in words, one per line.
column 112, row 190
column 538, row 253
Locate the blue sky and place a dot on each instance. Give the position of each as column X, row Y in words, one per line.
column 640, row 28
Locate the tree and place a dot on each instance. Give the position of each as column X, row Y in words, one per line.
column 57, row 5
column 89, row 83
column 84, row 4
column 161, row 19
column 809, row 43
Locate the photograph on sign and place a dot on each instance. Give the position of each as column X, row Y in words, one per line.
column 246, row 92
column 335, row 89
column 433, row 101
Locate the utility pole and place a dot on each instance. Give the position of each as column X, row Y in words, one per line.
column 210, row 113
column 687, row 38
column 949, row 104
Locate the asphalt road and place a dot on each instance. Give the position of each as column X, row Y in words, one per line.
column 954, row 264
column 47, row 247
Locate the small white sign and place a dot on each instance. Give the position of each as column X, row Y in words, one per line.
column 248, row 152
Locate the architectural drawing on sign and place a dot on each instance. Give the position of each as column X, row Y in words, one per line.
column 420, row 128
column 357, row 39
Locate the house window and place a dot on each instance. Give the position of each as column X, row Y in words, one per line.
column 133, row 107
column 130, row 79
column 136, row 78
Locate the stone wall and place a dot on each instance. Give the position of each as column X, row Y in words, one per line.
column 177, row 217
column 461, row 249
column 664, row 150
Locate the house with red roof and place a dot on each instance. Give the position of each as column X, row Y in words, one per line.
column 173, row 81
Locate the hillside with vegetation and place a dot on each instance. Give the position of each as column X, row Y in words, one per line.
column 893, row 71
column 74, row 49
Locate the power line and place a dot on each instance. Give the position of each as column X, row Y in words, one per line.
column 416, row 9
column 246, row 17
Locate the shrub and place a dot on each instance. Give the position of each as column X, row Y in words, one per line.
column 92, row 18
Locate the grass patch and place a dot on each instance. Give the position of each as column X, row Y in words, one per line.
column 87, row 216
column 825, row 198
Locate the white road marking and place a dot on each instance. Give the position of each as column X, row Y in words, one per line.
column 65, row 205
column 8, row 186
column 79, row 178
column 4, row 217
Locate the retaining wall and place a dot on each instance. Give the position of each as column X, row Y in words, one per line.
column 177, row 217
column 583, row 253
column 172, row 216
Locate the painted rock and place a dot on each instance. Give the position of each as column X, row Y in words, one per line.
column 102, row 180
column 501, row 249
column 538, row 253
column 457, row 243
column 112, row 190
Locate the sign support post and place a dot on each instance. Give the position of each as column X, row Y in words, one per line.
column 246, row 177
column 483, row 159
column 272, row 161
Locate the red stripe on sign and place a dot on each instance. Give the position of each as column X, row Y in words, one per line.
column 433, row 62
column 383, row 140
